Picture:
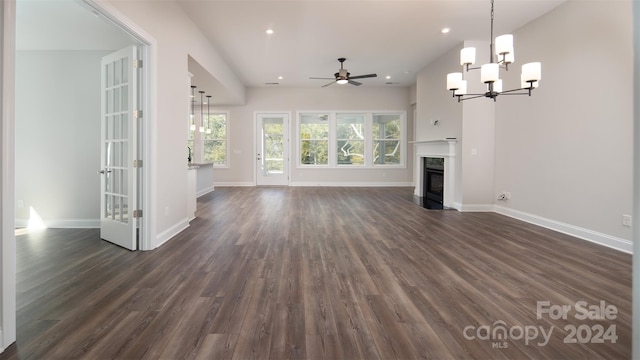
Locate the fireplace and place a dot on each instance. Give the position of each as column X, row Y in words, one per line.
column 444, row 182
column 433, row 187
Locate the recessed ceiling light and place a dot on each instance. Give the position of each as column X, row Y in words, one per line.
column 388, row 77
column 445, row 30
column 269, row 31
column 280, row 77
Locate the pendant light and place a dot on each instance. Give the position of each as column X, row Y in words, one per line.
column 201, row 111
column 208, row 129
column 192, row 116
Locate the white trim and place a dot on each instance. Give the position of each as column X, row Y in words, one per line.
column 149, row 107
column 352, row 184
column 445, row 149
column 332, row 140
column 7, row 175
column 575, row 231
column 287, row 139
column 64, row 223
column 205, row 191
column 476, row 208
column 235, row 184
column 174, row 230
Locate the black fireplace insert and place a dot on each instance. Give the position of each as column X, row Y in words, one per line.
column 433, row 187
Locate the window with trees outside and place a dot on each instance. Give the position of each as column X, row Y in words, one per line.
column 350, row 132
column 215, row 139
column 314, row 139
column 386, row 134
column 352, row 139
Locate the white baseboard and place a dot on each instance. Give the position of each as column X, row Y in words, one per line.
column 576, row 231
column 63, row 223
column 168, row 234
column 474, row 207
column 205, row 191
column 352, row 184
column 235, row 184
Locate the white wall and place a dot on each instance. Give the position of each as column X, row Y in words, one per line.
column 434, row 102
column 566, row 152
column 472, row 122
column 241, row 128
column 7, row 179
column 636, row 184
column 58, row 136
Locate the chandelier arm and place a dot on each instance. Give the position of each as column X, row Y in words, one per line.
column 473, row 96
column 515, row 93
column 507, row 92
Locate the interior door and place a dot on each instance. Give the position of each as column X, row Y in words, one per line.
column 118, row 184
column 272, row 144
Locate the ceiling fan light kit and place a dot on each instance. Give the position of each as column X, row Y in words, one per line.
column 343, row 76
column 490, row 73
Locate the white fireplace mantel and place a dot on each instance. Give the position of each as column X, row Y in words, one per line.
column 445, row 149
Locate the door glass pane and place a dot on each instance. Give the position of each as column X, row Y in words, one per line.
column 124, row 126
column 116, row 181
column 125, row 158
column 125, row 182
column 107, row 154
column 125, row 69
column 117, row 73
column 107, row 206
column 273, row 143
column 125, row 210
column 109, row 75
column 116, row 100
column 124, row 101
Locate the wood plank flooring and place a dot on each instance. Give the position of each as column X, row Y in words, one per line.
column 320, row 273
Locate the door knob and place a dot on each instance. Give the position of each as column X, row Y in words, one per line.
column 104, row 172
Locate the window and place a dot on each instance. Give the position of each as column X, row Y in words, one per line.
column 352, row 139
column 215, row 139
column 314, row 139
column 350, row 130
column 387, row 134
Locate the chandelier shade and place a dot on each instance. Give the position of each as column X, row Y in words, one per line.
column 501, row 54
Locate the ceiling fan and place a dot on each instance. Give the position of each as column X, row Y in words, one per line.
column 343, row 76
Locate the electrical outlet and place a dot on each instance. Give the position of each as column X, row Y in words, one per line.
column 626, row 220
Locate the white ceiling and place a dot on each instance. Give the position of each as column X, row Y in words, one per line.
column 395, row 38
column 388, row 37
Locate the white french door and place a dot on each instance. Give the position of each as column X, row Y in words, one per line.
column 118, row 184
column 272, row 144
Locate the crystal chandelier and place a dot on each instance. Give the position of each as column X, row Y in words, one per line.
column 490, row 73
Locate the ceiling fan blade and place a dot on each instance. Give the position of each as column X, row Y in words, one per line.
column 354, row 83
column 331, row 83
column 363, row 76
column 317, row 78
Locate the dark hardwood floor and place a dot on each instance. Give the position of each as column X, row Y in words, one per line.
column 323, row 273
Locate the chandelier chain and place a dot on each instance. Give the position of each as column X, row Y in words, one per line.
column 491, row 38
